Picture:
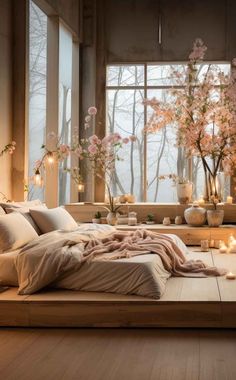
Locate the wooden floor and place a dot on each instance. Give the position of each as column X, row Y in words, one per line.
column 111, row 354
column 187, row 302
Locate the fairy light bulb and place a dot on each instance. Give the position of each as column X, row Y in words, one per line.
column 50, row 158
column 37, row 178
column 80, row 187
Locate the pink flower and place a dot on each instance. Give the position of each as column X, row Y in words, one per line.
column 132, row 138
column 64, row 149
column 92, row 149
column 94, row 140
column 125, row 140
column 87, row 118
column 116, row 137
column 92, row 111
column 13, row 143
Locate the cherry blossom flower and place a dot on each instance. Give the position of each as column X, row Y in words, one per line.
column 92, row 111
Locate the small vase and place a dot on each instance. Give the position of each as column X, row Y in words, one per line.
column 166, row 221
column 195, row 216
column 112, row 218
column 215, row 217
column 96, row 221
column 184, row 192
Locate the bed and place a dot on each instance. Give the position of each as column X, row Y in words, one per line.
column 79, row 258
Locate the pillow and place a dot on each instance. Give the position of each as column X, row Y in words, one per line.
column 15, row 231
column 2, row 212
column 25, row 212
column 28, row 204
column 53, row 219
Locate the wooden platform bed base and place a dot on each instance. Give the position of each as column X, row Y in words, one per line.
column 187, row 302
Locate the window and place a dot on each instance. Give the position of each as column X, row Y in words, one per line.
column 64, row 128
column 151, row 155
column 37, row 90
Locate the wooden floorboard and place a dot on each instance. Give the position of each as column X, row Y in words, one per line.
column 109, row 354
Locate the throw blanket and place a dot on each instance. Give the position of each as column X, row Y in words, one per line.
column 51, row 257
column 140, row 242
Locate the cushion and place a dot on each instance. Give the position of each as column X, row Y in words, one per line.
column 28, row 204
column 53, row 219
column 25, row 212
column 2, row 212
column 15, row 231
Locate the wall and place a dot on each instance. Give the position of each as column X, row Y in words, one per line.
column 127, row 31
column 67, row 10
column 5, row 93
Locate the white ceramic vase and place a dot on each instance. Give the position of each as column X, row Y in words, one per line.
column 195, row 216
column 215, row 217
column 184, row 192
column 112, row 218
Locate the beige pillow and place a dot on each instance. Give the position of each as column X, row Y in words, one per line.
column 2, row 212
column 15, row 231
column 25, row 212
column 28, row 204
column 53, row 219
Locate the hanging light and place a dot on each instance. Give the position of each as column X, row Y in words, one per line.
column 37, row 178
column 80, row 187
column 50, row 158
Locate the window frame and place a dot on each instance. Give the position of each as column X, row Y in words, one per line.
column 145, row 87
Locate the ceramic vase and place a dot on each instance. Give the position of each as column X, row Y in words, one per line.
column 112, row 218
column 195, row 216
column 184, row 192
column 215, row 217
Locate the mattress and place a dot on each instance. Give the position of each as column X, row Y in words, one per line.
column 142, row 275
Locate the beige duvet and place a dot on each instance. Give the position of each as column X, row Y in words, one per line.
column 58, row 259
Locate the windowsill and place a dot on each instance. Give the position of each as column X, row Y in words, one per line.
column 84, row 211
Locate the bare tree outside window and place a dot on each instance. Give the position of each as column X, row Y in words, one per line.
column 37, row 90
column 127, row 86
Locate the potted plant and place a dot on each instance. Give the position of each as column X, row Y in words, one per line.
column 215, row 217
column 203, row 113
column 150, row 219
column 97, row 218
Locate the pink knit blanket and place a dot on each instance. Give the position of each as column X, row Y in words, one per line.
column 141, row 242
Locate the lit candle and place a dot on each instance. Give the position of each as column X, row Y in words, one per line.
column 201, row 201
column 232, row 247
column 229, row 200
column 230, row 276
column 222, row 247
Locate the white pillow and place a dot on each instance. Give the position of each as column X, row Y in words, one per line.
column 53, row 219
column 25, row 212
column 15, row 231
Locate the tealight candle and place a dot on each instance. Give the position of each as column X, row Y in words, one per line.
column 222, row 247
column 230, row 276
column 229, row 200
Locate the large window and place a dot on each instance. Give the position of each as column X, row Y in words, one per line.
column 150, row 156
column 37, row 91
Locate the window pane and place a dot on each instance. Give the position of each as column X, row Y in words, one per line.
column 37, row 90
column 64, row 130
column 164, row 75
column 125, row 115
column 125, row 75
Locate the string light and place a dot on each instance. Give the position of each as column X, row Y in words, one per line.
column 37, row 178
column 50, row 158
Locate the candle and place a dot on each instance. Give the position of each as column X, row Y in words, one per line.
column 230, row 276
column 201, row 201
column 232, row 247
column 222, row 247
column 204, row 245
column 80, row 187
column 229, row 200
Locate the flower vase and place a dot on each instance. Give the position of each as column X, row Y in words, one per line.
column 184, row 192
column 215, row 217
column 112, row 218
